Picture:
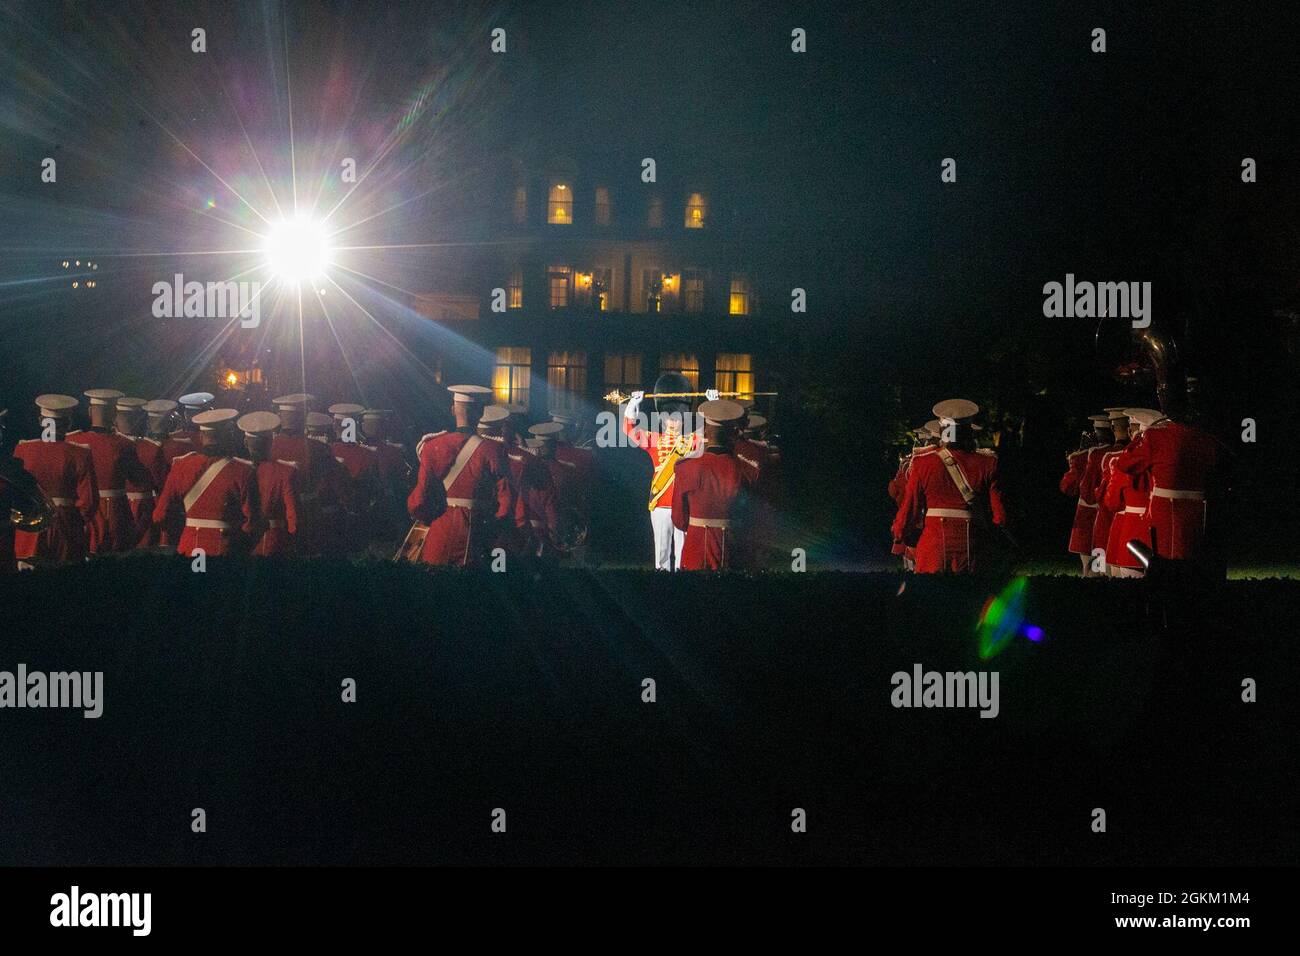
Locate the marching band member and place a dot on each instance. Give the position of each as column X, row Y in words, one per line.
column 463, row 486
column 216, row 493
column 1085, row 512
column 277, row 487
column 712, row 492
column 1105, row 515
column 65, row 472
column 665, row 448
column 112, row 528
column 941, row 489
column 1127, row 496
column 1177, row 460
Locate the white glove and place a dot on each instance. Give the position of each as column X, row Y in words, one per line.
column 633, row 405
column 711, row 395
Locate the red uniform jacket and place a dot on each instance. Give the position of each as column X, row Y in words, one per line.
column 1126, row 497
column 141, row 494
column 362, row 464
column 712, row 494
column 113, row 527
column 277, row 494
column 223, row 517
column 935, row 516
column 66, row 474
column 657, row 446
column 537, row 514
column 460, row 518
column 1105, row 515
column 540, row 498
column 317, row 488
column 177, row 444
column 1178, row 462
column 1085, row 513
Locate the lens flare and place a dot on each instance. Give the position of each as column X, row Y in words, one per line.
column 297, row 250
column 1003, row 618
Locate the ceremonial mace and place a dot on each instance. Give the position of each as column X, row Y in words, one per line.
column 619, row 398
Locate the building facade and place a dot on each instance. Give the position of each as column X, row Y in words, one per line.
column 585, row 283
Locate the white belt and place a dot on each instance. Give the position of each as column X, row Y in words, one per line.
column 946, row 513
column 710, row 522
column 1086, row 504
column 1134, row 510
column 111, row 492
column 468, row 504
column 1175, row 493
column 63, row 502
column 274, row 523
column 207, row 523
column 139, row 495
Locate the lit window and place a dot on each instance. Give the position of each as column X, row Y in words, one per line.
column 566, row 380
column 693, row 290
column 512, row 376
column 559, row 207
column 652, row 284
column 515, row 290
column 739, row 295
column 559, row 277
column 521, row 205
column 734, row 372
column 654, row 214
column 598, row 290
column 623, row 370
column 672, row 289
column 602, row 206
column 696, row 211
column 688, row 365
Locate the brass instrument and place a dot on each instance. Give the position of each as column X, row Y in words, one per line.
column 30, row 508
column 412, row 544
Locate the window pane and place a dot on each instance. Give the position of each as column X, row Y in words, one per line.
column 696, row 211
column 693, row 290
column 559, row 284
column 685, row 363
column 566, row 376
column 559, row 206
column 623, row 370
column 739, row 304
column 521, row 205
column 734, row 372
column 602, row 206
column 654, row 217
column 516, row 288
column 512, row 375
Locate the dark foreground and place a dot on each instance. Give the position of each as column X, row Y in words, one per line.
column 482, row 691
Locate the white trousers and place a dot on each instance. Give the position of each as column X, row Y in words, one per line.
column 668, row 540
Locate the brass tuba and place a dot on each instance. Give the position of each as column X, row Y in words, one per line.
column 1140, row 356
column 29, row 507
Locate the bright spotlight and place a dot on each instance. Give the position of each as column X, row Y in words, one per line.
column 297, row 250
